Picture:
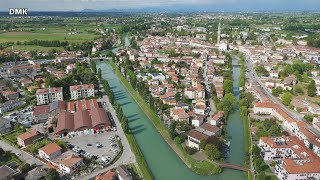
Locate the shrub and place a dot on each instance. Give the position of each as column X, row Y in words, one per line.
column 190, row 150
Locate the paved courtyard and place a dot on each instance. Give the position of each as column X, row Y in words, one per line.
column 82, row 142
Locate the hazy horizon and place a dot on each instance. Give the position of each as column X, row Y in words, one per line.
column 193, row 5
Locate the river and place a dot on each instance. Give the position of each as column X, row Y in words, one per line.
column 162, row 160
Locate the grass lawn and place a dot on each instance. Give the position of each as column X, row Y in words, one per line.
column 11, row 137
column 33, row 148
column 27, row 36
column 33, row 48
column 204, row 168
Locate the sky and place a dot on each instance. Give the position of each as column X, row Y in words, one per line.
column 217, row 5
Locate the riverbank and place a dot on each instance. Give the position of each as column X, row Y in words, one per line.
column 245, row 119
column 199, row 167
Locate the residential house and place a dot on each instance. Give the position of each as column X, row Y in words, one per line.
column 25, row 82
column 50, row 151
column 109, row 175
column 43, row 112
column 202, row 133
column 22, row 70
column 217, row 119
column 197, row 120
column 48, row 95
column 123, row 173
column 7, row 173
column 10, row 105
column 28, row 138
column 38, row 173
column 70, row 67
column 70, row 164
column 82, row 91
column 293, row 157
column 5, row 125
column 10, row 95
column 179, row 114
column 274, row 74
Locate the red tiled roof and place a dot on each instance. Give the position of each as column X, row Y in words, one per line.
column 79, row 87
column 71, row 161
column 99, row 116
column 87, row 104
column 28, row 135
column 44, row 109
column 197, row 135
column 51, row 148
column 71, row 106
column 67, row 121
column 81, row 119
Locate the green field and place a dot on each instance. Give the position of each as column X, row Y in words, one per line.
column 33, row 48
column 27, row 36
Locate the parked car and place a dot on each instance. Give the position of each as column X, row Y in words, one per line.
column 98, row 145
column 89, row 144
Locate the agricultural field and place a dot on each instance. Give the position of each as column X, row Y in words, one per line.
column 33, row 48
column 62, row 36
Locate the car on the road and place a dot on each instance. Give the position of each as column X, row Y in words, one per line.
column 17, row 154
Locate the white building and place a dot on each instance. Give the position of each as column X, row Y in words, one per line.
column 9, row 105
column 82, row 91
column 295, row 160
column 70, row 67
column 291, row 169
column 50, row 151
column 48, row 95
column 70, row 164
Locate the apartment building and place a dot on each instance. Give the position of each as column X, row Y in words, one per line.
column 299, row 128
column 82, row 91
column 295, row 160
column 48, row 95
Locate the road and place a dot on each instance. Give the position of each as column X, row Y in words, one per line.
column 24, row 156
column 213, row 108
column 253, row 76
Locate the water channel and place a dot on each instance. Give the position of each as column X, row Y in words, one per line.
column 162, row 160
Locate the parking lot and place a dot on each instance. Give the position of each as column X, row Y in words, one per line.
column 99, row 145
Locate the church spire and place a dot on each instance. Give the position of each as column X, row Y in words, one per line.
column 219, row 33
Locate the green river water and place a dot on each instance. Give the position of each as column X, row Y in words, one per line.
column 162, row 160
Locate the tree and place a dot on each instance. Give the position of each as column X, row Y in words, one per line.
column 277, row 91
column 227, row 103
column 261, row 71
column 228, row 86
column 202, row 144
column 312, row 90
column 286, row 98
column 99, row 73
column 212, row 152
column 298, row 89
column 53, row 174
column 178, row 96
column 25, row 167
